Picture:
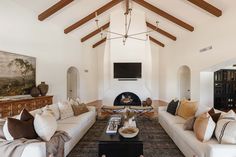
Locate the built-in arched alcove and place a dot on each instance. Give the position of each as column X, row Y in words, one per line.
column 184, row 82
column 73, row 83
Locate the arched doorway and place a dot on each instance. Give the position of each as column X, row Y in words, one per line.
column 72, row 83
column 184, row 77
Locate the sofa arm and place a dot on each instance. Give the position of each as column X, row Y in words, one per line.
column 35, row 149
column 220, row 150
column 162, row 108
column 91, row 108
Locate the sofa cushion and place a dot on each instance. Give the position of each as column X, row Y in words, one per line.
column 55, row 109
column 229, row 115
column 172, row 107
column 204, row 127
column 65, row 109
column 79, row 109
column 188, row 125
column 215, row 116
column 2, row 122
column 171, row 119
column 225, row 131
column 45, row 125
column 187, row 109
column 20, row 128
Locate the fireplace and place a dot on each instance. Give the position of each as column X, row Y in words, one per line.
column 127, row 99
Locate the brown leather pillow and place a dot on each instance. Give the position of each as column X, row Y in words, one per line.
column 214, row 116
column 79, row 109
column 22, row 127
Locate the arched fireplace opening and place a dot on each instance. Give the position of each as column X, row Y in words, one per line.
column 127, row 99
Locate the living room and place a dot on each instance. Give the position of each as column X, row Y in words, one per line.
column 71, row 66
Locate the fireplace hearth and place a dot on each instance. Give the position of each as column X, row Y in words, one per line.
column 127, row 99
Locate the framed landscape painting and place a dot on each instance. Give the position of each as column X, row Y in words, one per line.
column 17, row 74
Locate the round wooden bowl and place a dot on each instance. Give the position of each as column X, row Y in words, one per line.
column 128, row 132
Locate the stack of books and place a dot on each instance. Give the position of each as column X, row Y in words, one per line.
column 113, row 125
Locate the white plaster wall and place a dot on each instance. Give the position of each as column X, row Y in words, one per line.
column 22, row 33
column 218, row 32
column 133, row 51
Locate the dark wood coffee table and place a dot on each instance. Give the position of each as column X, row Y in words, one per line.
column 114, row 145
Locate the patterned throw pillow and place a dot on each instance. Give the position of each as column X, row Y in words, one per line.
column 53, row 109
column 172, row 107
column 65, row 109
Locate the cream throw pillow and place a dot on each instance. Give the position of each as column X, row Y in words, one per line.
column 54, row 109
column 226, row 131
column 204, row 127
column 45, row 125
column 187, row 109
column 65, row 109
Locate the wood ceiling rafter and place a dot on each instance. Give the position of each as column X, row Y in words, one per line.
column 53, row 9
column 207, row 7
column 151, row 39
column 156, row 41
column 92, row 15
column 164, row 14
column 161, row 31
column 90, row 35
column 99, row 43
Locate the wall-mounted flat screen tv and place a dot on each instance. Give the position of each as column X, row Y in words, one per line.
column 127, row 70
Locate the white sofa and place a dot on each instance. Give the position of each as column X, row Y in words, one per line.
column 75, row 126
column 186, row 141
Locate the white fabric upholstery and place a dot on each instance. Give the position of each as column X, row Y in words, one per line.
column 45, row 125
column 75, row 126
column 188, row 143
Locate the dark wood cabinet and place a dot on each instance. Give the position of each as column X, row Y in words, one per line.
column 225, row 89
column 14, row 107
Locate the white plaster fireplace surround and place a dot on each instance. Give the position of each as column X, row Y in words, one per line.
column 133, row 51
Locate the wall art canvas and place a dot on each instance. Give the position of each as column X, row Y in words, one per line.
column 17, row 74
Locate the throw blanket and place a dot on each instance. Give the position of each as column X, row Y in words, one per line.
column 54, row 147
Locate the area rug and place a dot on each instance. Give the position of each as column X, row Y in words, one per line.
column 156, row 141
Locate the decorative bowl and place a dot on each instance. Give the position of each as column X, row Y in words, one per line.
column 128, row 132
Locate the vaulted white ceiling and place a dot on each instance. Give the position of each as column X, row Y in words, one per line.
column 78, row 9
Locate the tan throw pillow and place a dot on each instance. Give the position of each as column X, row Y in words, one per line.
column 188, row 125
column 79, row 109
column 187, row 109
column 204, row 127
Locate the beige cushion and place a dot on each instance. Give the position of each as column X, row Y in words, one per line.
column 187, row 109
column 65, row 109
column 188, row 125
column 79, row 109
column 54, row 110
column 45, row 125
column 226, row 131
column 204, row 127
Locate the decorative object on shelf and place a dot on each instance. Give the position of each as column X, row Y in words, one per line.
column 128, row 20
column 144, row 103
column 34, row 92
column 43, row 88
column 149, row 101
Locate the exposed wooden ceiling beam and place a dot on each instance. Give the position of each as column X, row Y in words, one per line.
column 92, row 15
column 99, row 43
column 90, row 35
column 53, row 9
column 161, row 31
column 207, row 6
column 156, row 41
column 165, row 14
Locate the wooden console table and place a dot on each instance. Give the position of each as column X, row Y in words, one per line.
column 14, row 107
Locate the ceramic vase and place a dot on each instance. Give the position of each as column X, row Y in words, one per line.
column 34, row 92
column 43, row 88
